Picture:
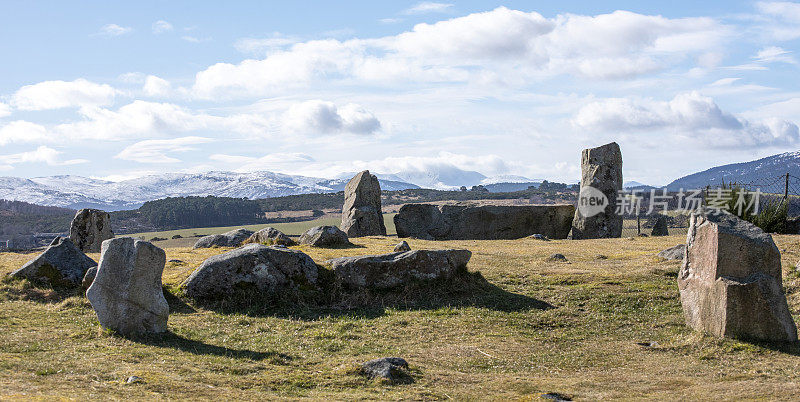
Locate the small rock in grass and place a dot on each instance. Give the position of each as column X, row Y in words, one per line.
column 601, row 257
column 175, row 261
column 557, row 258
column 402, row 246
column 643, row 235
column 134, row 380
column 393, row 369
column 539, row 236
column 647, row 344
column 555, row 396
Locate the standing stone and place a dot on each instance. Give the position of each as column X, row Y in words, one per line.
column 90, row 227
column 601, row 169
column 126, row 292
column 660, row 228
column 730, row 282
column 361, row 214
column 61, row 265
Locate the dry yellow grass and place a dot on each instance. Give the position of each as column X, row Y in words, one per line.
column 503, row 347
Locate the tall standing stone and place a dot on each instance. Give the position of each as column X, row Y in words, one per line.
column 90, row 227
column 601, row 170
column 126, row 292
column 730, row 282
column 361, row 214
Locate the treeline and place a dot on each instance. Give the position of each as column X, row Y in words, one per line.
column 180, row 212
column 18, row 217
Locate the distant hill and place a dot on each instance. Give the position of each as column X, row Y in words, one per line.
column 761, row 172
column 81, row 192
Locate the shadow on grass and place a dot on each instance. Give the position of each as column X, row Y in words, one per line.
column 789, row 348
column 465, row 289
column 172, row 340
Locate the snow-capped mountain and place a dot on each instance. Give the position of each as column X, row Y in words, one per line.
column 759, row 172
column 82, row 192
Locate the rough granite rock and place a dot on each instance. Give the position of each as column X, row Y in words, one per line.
column 126, row 293
column 62, row 264
column 251, row 270
column 402, row 246
column 234, row 238
column 393, row 369
column 466, row 221
column 88, row 278
column 557, row 258
column 389, row 270
column 673, row 253
column 361, row 213
column 660, row 228
column 730, row 282
column 325, row 236
column 270, row 236
column 601, row 169
column 89, row 229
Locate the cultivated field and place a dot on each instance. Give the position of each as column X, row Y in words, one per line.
column 581, row 329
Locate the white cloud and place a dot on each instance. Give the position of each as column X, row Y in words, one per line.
column 156, row 86
column 515, row 45
column 60, row 94
column 271, row 44
column 161, row 26
column 5, row 110
column 41, row 154
column 774, row 54
column 155, row 151
column 321, row 117
column 690, row 116
column 194, row 39
column 22, row 131
column 428, row 7
column 114, row 30
column 275, row 161
column 781, row 20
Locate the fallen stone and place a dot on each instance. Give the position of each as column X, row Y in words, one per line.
column 601, row 169
column 557, row 258
column 89, row 228
column 62, row 264
column 234, row 238
column 361, row 213
column 126, row 293
column 390, row 270
column 730, row 281
column 325, row 236
column 465, row 221
column 539, row 236
column 270, row 236
column 402, row 246
column 393, row 369
column 673, row 253
column 251, row 270
column 660, row 228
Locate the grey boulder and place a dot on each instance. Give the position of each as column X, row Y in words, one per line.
column 673, row 253
column 127, row 293
column 270, row 236
column 402, row 246
column 392, row 369
column 601, row 170
column 234, row 238
column 390, row 270
column 89, row 229
column 465, row 221
column 251, row 270
column 660, row 228
column 325, row 236
column 62, row 264
column 361, row 213
column 730, row 282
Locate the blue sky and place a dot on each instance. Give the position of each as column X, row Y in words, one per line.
column 114, row 90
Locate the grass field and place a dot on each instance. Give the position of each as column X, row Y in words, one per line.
column 502, row 345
